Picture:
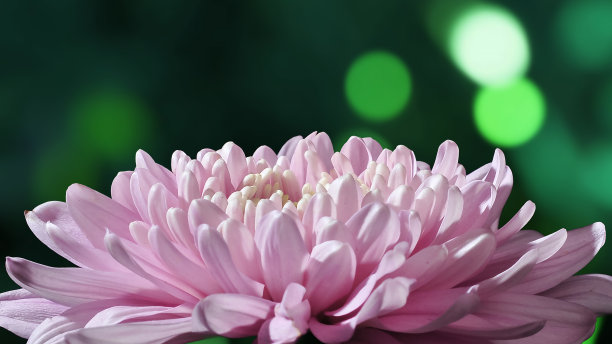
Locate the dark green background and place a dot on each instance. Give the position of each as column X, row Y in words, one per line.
column 84, row 84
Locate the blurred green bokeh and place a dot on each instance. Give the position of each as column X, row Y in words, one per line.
column 84, row 84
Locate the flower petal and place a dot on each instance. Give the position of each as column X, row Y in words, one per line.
column 21, row 311
column 148, row 332
column 591, row 291
column 218, row 260
column 283, row 254
column 73, row 286
column 375, row 227
column 94, row 213
column 232, row 315
column 192, row 273
column 330, row 273
column 579, row 248
column 566, row 322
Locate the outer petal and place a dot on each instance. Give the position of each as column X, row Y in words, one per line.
column 52, row 224
column 591, row 291
column 73, row 286
column 565, row 322
column 232, row 315
column 579, row 248
column 94, row 213
column 149, row 332
column 21, row 311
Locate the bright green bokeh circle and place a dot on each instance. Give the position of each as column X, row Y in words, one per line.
column 489, row 45
column 509, row 115
column 378, row 86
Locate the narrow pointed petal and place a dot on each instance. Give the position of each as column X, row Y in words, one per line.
column 120, row 190
column 121, row 255
column 192, row 273
column 21, row 311
column 94, row 213
column 579, row 248
column 72, row 286
column 591, row 291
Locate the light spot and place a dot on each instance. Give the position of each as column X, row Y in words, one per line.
column 489, row 45
column 509, row 115
column 378, row 86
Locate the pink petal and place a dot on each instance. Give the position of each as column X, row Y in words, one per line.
column 73, row 286
column 404, row 156
column 579, row 248
column 467, row 255
column 329, row 275
column 389, row 296
column 446, row 159
column 53, row 330
column 390, row 262
column 52, row 224
column 137, row 312
column 236, row 162
column 242, row 248
column 218, row 260
column 120, row 190
column 565, row 322
column 149, row 332
column 94, row 213
column 80, row 250
column 374, row 148
column 324, row 149
column 430, row 310
column 194, row 274
column 21, row 311
column 375, row 227
column 516, row 223
column 591, row 291
column 203, row 211
column 511, row 276
column 266, row 153
column 290, row 320
column 473, row 326
column 232, row 315
column 283, row 254
column 159, row 172
column 289, row 147
column 356, row 150
column 328, row 228
column 345, row 193
column 120, row 254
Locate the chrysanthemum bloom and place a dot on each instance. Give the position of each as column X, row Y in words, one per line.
column 365, row 245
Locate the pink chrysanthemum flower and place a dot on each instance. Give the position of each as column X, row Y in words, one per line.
column 365, row 245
